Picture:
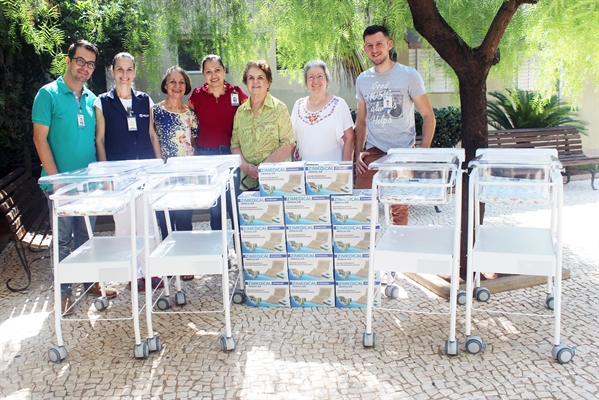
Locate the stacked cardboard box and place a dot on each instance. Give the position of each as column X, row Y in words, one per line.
column 351, row 216
column 263, row 247
column 322, row 238
column 310, row 250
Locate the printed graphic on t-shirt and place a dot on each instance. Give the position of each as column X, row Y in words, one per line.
column 383, row 104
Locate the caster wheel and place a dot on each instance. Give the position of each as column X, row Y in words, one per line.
column 57, row 353
column 154, row 344
column 227, row 344
column 461, row 298
column 238, row 297
column 452, row 348
column 163, row 303
column 101, row 303
column 141, row 351
column 550, row 302
column 482, row 294
column 180, row 299
column 392, row 291
column 369, row 340
column 475, row 345
column 563, row 354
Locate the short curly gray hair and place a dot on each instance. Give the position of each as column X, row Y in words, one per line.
column 316, row 63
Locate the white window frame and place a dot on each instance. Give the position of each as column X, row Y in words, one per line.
column 528, row 75
column 428, row 63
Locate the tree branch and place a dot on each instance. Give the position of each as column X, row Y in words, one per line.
column 433, row 27
column 502, row 19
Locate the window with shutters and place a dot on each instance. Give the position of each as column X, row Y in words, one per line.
column 528, row 75
column 428, row 63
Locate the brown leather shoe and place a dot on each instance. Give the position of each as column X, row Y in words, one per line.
column 66, row 305
column 95, row 290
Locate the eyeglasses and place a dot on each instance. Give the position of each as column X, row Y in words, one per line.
column 81, row 62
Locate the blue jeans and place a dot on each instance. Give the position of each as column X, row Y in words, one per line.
column 215, row 212
column 180, row 221
column 70, row 229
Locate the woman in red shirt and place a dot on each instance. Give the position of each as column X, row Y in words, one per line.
column 215, row 104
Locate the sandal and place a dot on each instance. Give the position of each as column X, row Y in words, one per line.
column 187, row 277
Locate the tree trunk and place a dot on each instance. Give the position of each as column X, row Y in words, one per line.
column 474, row 136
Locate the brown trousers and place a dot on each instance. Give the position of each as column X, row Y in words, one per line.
column 399, row 212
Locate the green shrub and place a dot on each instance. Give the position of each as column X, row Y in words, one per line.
column 520, row 109
column 448, row 131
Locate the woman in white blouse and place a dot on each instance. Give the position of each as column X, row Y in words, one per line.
column 322, row 123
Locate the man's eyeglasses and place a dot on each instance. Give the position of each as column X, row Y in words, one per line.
column 81, row 62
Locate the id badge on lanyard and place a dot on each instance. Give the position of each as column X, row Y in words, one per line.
column 131, row 121
column 234, row 99
column 388, row 102
column 80, row 119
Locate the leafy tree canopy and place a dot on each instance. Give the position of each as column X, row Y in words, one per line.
column 564, row 35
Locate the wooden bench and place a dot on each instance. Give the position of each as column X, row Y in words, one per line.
column 24, row 215
column 566, row 140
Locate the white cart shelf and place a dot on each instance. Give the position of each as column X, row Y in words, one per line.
column 109, row 257
column 191, row 183
column 515, row 176
column 104, row 188
column 418, row 255
column 195, row 252
column 416, row 176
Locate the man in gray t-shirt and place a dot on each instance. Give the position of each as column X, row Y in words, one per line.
column 387, row 94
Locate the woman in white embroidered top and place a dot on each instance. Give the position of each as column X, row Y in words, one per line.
column 322, row 123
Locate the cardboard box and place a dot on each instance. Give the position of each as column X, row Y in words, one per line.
column 310, row 267
column 284, row 178
column 263, row 239
column 267, row 293
column 352, row 210
column 254, row 209
column 312, row 293
column 329, row 177
column 354, row 294
column 307, row 210
column 352, row 267
column 352, row 238
column 265, row 267
column 309, row 239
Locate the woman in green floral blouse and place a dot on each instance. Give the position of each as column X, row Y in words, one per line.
column 261, row 127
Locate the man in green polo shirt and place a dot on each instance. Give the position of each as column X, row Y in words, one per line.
column 64, row 129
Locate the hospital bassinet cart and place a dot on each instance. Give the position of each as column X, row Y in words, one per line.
column 424, row 177
column 516, row 176
column 104, row 188
column 191, row 183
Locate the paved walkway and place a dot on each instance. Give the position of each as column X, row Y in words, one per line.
column 317, row 353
